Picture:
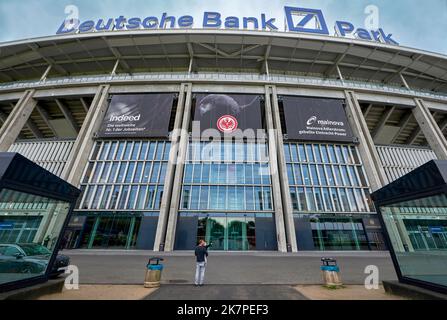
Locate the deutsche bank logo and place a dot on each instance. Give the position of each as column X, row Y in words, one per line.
column 306, row 20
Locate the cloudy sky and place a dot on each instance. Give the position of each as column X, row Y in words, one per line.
column 413, row 23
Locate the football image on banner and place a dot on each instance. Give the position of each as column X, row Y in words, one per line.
column 138, row 116
column 316, row 119
column 228, row 113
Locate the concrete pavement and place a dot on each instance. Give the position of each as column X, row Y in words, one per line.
column 226, row 292
column 252, row 268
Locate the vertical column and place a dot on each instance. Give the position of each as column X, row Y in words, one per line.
column 370, row 157
column 176, row 192
column 405, row 240
column 44, row 224
column 276, row 187
column 430, row 128
column 170, row 172
column 58, row 214
column 17, row 120
column 84, row 143
column 283, row 177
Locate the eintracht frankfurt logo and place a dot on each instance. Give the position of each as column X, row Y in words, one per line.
column 227, row 124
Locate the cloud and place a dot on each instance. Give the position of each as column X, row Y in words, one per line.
column 412, row 24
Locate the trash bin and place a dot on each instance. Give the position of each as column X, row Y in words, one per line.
column 153, row 273
column 331, row 272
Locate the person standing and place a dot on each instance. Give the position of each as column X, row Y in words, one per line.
column 201, row 254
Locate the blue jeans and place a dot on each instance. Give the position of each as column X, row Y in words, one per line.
column 200, row 273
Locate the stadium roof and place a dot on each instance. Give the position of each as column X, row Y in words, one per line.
column 194, row 50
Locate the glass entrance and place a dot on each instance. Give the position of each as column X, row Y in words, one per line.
column 228, row 232
column 109, row 231
column 215, row 232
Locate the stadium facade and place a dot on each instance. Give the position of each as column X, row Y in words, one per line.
column 253, row 140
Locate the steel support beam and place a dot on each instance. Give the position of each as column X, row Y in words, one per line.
column 382, row 122
column 80, row 153
column 170, row 185
column 84, row 105
column 34, row 129
column 430, row 128
column 45, row 74
column 181, row 159
column 30, row 125
column 68, row 115
column 46, row 118
column 282, row 171
column 16, row 120
column 402, row 125
column 368, row 110
column 274, row 171
column 368, row 152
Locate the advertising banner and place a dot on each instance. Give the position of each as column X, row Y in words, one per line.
column 316, row 119
column 228, row 113
column 138, row 116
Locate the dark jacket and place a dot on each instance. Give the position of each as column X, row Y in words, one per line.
column 201, row 253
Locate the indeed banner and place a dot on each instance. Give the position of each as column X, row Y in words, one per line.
column 137, row 116
column 297, row 19
column 316, row 119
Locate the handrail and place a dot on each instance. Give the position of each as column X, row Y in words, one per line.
column 207, row 76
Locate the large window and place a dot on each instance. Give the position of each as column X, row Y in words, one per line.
column 418, row 234
column 219, row 177
column 339, row 234
column 228, row 187
column 327, row 178
column 110, row 231
column 228, row 231
column 125, row 175
column 29, row 229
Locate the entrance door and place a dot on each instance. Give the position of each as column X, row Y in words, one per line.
column 237, row 235
column 228, row 233
column 215, row 233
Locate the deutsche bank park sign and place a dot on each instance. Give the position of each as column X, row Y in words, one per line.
column 297, row 20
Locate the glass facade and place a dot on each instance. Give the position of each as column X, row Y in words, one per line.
column 329, row 190
column 125, row 175
column 29, row 229
column 122, row 184
column 226, row 190
column 331, row 233
column 110, row 231
column 418, row 234
column 227, row 185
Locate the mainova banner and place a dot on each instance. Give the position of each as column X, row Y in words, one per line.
column 316, row 119
column 137, row 116
column 228, row 113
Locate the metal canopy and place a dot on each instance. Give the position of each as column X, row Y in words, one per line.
column 222, row 51
column 428, row 179
column 20, row 174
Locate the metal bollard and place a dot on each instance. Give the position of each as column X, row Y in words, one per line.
column 153, row 273
column 331, row 272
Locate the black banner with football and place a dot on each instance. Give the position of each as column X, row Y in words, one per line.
column 228, row 113
column 316, row 119
column 138, row 116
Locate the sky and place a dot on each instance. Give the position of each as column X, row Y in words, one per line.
column 413, row 23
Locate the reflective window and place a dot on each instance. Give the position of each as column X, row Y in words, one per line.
column 418, row 232
column 242, row 184
column 30, row 226
column 327, row 165
column 337, row 233
column 126, row 175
